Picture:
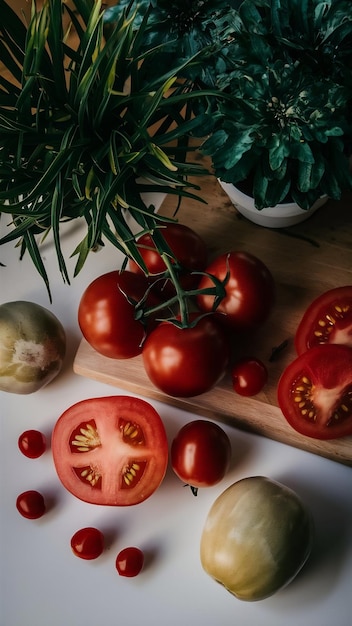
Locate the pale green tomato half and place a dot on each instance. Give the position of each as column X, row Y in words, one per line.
column 32, row 347
column 256, row 538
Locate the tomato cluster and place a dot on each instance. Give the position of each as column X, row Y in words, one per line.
column 315, row 390
column 177, row 310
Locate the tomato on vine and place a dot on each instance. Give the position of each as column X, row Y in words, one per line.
column 249, row 290
column 186, row 248
column 184, row 362
column 106, row 314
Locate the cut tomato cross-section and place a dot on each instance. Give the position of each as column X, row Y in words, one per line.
column 111, row 450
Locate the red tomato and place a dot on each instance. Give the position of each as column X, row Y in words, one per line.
column 32, row 443
column 328, row 319
column 201, row 454
column 315, row 392
column 87, row 543
column 186, row 246
column 110, row 450
column 31, row 504
column 249, row 376
column 185, row 362
column 106, row 317
column 249, row 291
column 129, row 562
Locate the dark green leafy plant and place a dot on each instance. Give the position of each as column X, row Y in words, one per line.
column 85, row 128
column 285, row 119
column 183, row 29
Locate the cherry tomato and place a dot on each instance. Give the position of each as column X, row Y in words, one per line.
column 185, row 362
column 110, row 450
column 201, row 454
column 87, row 543
column 129, row 562
column 249, row 375
column 31, row 504
column 186, row 246
column 249, row 290
column 32, row 443
column 315, row 392
column 328, row 319
column 107, row 318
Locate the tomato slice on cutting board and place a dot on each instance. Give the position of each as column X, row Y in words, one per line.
column 328, row 319
column 315, row 392
column 111, row 450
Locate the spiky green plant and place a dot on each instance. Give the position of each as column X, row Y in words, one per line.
column 85, row 128
column 286, row 119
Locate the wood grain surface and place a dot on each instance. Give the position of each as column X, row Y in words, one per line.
column 305, row 260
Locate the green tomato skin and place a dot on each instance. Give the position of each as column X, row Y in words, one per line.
column 32, row 347
column 256, row 538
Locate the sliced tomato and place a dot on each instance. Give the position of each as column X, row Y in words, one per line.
column 111, row 450
column 328, row 319
column 315, row 392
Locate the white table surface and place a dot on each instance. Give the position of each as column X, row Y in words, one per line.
column 43, row 584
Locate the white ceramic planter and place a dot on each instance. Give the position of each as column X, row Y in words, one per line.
column 279, row 216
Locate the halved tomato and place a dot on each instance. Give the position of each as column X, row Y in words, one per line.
column 111, row 450
column 328, row 319
column 315, row 392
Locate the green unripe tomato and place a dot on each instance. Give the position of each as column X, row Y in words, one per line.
column 32, row 347
column 256, row 538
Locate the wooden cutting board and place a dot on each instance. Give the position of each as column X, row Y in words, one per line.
column 305, row 260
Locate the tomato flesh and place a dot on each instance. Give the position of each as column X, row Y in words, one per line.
column 87, row 543
column 201, row 453
column 130, row 561
column 315, row 392
column 328, row 319
column 111, row 450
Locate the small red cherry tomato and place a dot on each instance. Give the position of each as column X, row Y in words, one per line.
column 32, row 443
column 87, row 543
column 129, row 562
column 249, row 375
column 200, row 454
column 31, row 504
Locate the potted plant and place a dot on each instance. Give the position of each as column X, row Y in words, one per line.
column 283, row 119
column 88, row 125
column 183, row 29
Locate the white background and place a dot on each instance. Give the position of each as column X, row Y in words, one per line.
column 43, row 583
